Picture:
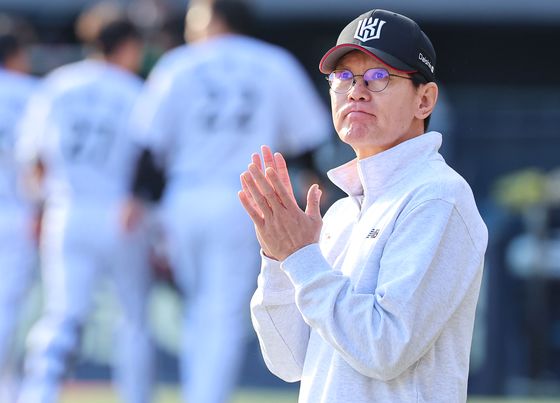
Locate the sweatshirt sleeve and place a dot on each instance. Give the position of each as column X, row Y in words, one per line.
column 429, row 266
column 280, row 328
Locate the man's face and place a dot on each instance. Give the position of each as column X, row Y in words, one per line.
column 372, row 122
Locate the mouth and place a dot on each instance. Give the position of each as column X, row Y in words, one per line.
column 354, row 110
column 358, row 115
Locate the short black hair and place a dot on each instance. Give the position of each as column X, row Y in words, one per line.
column 10, row 45
column 112, row 35
column 417, row 80
column 236, row 13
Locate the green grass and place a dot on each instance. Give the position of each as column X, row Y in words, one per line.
column 512, row 400
column 102, row 394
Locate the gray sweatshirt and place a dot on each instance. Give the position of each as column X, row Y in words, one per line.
column 382, row 309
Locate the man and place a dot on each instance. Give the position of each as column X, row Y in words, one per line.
column 17, row 248
column 375, row 302
column 77, row 128
column 205, row 106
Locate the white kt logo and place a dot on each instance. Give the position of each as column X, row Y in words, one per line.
column 368, row 29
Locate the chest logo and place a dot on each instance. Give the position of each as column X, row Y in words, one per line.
column 373, row 233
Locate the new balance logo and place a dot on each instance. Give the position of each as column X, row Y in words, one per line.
column 373, row 233
column 369, row 29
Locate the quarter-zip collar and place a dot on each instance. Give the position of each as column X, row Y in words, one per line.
column 368, row 177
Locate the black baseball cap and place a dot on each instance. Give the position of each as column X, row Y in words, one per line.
column 394, row 39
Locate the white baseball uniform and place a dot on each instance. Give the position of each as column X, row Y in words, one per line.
column 206, row 108
column 17, row 249
column 77, row 125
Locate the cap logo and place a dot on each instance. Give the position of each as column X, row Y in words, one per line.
column 424, row 60
column 368, row 29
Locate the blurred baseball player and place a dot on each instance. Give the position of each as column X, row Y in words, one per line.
column 77, row 127
column 17, row 248
column 206, row 106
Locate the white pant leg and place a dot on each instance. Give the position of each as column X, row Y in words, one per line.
column 216, row 327
column 17, row 259
column 217, row 266
column 134, row 354
column 69, row 270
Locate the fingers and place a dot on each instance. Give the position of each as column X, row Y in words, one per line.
column 286, row 198
column 282, row 169
column 260, row 201
column 249, row 198
column 268, row 191
column 279, row 194
column 254, row 214
column 280, row 162
column 275, row 161
column 256, row 159
column 313, row 208
column 268, row 157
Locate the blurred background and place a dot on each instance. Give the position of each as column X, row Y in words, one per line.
column 500, row 116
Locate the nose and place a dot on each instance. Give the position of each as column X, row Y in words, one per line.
column 359, row 90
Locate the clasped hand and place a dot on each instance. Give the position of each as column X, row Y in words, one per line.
column 282, row 227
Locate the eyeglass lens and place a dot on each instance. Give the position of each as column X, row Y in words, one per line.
column 342, row 80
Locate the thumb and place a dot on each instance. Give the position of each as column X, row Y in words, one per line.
column 313, row 202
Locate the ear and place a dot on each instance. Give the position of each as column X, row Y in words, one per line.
column 427, row 98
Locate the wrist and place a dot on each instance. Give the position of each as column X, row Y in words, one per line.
column 267, row 254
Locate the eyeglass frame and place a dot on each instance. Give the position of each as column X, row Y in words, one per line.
column 389, row 75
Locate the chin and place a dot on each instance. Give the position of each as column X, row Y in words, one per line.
column 355, row 134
